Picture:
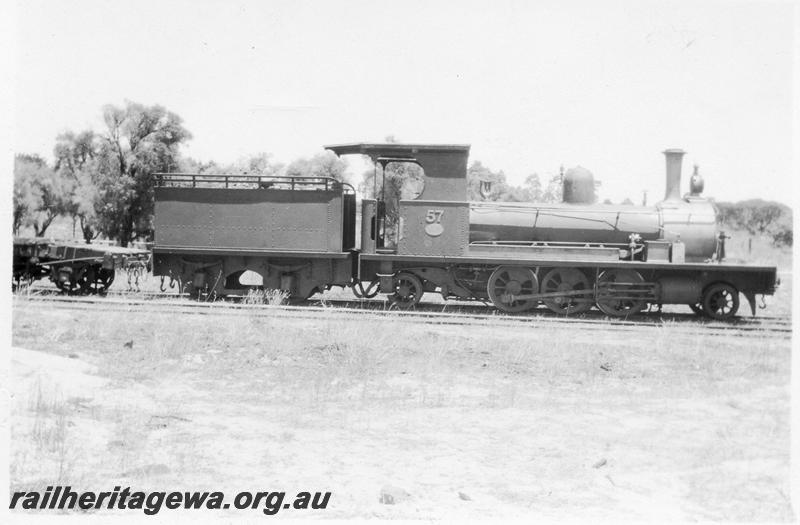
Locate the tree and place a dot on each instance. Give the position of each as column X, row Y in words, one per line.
column 26, row 193
column 758, row 217
column 554, row 191
column 532, row 188
column 85, row 203
column 322, row 165
column 74, row 150
column 477, row 174
column 138, row 142
column 76, row 155
column 190, row 165
column 501, row 191
column 259, row 164
column 40, row 195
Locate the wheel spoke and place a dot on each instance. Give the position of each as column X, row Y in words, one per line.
column 720, row 301
column 407, row 290
column 506, row 283
column 565, row 280
column 620, row 307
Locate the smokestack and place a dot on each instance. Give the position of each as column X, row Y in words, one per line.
column 674, row 163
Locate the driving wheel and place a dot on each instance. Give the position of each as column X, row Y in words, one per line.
column 508, row 282
column 620, row 304
column 567, row 280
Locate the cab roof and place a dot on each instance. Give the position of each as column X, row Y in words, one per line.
column 396, row 150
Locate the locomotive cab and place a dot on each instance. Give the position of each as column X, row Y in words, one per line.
column 433, row 223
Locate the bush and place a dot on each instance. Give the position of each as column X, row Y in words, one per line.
column 758, row 217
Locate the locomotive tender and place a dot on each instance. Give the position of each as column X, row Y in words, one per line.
column 299, row 235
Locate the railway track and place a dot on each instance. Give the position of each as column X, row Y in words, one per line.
column 427, row 313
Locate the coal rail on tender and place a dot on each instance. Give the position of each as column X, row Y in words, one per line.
column 302, row 235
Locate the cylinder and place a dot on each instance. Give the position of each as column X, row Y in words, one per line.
column 674, row 162
column 679, row 290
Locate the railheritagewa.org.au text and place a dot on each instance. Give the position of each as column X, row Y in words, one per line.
column 152, row 502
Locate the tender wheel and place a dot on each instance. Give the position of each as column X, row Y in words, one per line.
column 625, row 306
column 721, row 301
column 697, row 308
column 408, row 290
column 566, row 280
column 506, row 282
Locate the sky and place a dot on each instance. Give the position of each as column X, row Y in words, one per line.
column 530, row 85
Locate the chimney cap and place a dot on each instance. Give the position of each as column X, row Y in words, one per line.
column 674, row 151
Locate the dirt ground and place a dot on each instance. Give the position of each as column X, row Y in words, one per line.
column 545, row 422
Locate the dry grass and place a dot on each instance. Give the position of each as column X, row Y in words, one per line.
column 516, row 419
column 269, row 297
column 44, row 427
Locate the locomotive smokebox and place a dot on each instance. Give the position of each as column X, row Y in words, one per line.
column 674, row 163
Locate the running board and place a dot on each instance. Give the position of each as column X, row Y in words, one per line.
column 546, row 253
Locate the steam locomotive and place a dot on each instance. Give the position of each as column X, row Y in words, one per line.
column 299, row 235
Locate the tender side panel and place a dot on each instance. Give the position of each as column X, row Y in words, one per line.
column 271, row 219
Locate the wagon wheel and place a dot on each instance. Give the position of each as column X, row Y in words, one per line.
column 620, row 307
column 68, row 287
column 566, row 280
column 506, row 282
column 721, row 301
column 96, row 280
column 86, row 280
column 408, row 290
column 697, row 308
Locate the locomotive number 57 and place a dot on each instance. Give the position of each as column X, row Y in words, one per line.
column 434, row 223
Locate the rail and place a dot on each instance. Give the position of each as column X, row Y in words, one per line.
column 428, row 313
column 204, row 180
